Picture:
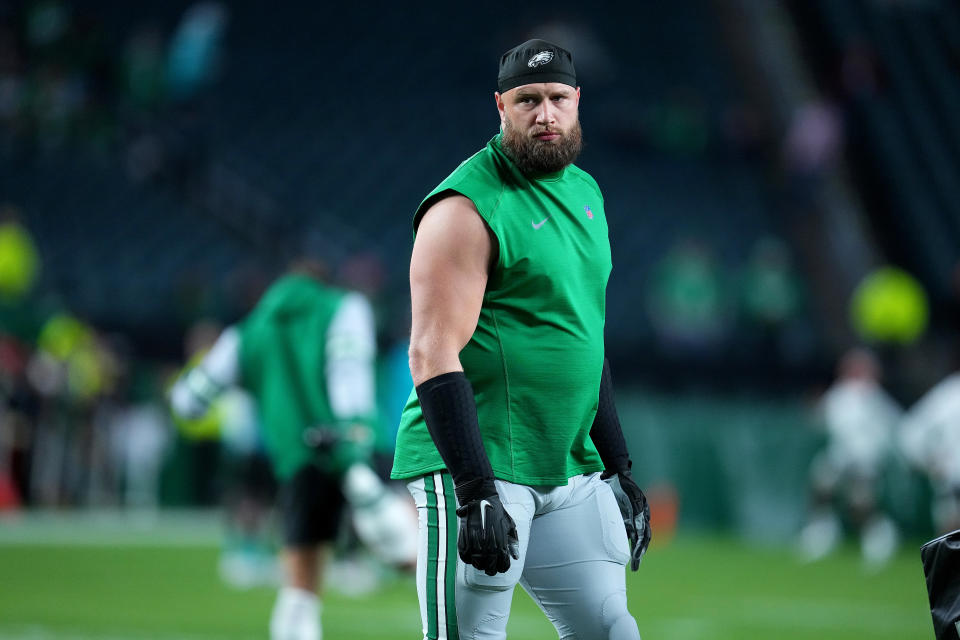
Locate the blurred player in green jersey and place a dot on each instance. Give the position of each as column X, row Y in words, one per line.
column 306, row 353
column 512, row 426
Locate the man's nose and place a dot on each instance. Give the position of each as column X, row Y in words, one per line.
column 545, row 113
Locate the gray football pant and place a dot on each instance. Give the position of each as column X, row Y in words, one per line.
column 573, row 550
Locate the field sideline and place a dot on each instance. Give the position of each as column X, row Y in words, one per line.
column 697, row 587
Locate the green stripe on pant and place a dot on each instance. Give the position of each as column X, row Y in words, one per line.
column 451, row 577
column 432, row 552
column 441, row 573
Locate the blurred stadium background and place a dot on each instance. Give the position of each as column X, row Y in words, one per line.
column 782, row 180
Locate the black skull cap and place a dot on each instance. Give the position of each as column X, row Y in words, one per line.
column 535, row 61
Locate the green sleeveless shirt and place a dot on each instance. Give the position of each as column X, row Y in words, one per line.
column 536, row 356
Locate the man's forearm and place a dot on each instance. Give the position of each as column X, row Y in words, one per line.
column 606, row 432
column 195, row 391
column 450, row 412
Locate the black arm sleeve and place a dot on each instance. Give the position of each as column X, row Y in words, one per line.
column 606, row 432
column 450, row 411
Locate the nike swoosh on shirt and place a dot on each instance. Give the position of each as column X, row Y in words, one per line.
column 537, row 225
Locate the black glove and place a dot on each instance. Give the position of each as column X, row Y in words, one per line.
column 488, row 536
column 635, row 511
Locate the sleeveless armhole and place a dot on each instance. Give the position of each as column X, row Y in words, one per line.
column 446, row 193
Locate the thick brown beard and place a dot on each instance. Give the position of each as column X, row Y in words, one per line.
column 533, row 156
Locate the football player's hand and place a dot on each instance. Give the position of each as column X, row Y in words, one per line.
column 192, row 394
column 635, row 511
column 385, row 521
column 487, row 536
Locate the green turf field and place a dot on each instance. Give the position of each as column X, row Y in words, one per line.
column 696, row 587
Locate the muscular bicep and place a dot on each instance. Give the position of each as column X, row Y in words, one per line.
column 448, row 277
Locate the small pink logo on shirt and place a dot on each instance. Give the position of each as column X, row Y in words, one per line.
column 589, row 213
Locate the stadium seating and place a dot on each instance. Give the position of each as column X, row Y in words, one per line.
column 341, row 119
column 906, row 136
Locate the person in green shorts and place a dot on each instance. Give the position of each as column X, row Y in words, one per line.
column 306, row 354
column 510, row 441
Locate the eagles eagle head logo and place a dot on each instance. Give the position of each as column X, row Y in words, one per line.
column 541, row 58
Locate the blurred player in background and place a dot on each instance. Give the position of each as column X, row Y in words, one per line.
column 930, row 439
column 513, row 420
column 306, row 353
column 227, row 436
column 860, row 418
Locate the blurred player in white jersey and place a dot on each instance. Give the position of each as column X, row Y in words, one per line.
column 930, row 439
column 859, row 418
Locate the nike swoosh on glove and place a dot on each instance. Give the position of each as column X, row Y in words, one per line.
column 635, row 511
column 487, row 537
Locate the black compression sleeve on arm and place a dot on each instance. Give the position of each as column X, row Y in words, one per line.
column 451, row 415
column 606, row 432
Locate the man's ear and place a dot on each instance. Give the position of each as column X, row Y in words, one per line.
column 501, row 106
